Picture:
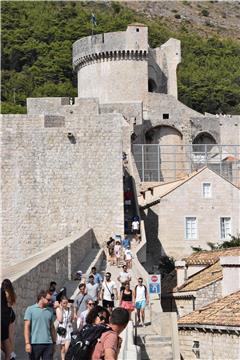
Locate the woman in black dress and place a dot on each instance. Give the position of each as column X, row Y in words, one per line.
column 5, row 322
column 11, row 301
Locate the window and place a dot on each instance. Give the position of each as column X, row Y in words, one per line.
column 165, row 116
column 191, row 228
column 196, row 349
column 207, row 190
column 225, row 227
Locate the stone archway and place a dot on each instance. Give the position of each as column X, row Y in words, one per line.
column 203, row 142
column 164, row 135
column 165, row 160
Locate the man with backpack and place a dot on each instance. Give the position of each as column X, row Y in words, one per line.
column 109, row 292
column 141, row 299
column 108, row 346
column 99, row 341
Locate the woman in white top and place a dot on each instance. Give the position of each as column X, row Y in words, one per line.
column 64, row 316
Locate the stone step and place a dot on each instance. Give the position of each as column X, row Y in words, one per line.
column 158, row 354
column 156, row 338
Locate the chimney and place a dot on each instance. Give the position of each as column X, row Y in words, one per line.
column 181, row 268
column 231, row 274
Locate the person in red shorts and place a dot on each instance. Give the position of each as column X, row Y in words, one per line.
column 126, row 298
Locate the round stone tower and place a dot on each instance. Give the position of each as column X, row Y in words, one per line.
column 113, row 66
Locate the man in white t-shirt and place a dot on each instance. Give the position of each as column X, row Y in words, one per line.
column 123, row 277
column 135, row 228
column 141, row 299
column 109, row 292
column 93, row 289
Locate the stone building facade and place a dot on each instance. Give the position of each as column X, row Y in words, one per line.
column 184, row 199
column 62, row 164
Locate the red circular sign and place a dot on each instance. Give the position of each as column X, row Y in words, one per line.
column 154, row 278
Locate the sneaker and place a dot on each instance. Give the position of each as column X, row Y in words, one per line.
column 143, row 325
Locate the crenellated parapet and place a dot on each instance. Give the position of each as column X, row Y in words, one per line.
column 114, row 45
column 110, row 56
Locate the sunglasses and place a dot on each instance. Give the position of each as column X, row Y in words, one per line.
column 91, row 304
column 101, row 317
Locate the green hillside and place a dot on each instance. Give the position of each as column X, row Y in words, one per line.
column 37, row 42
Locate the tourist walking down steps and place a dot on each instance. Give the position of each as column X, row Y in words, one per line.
column 39, row 331
column 80, row 303
column 141, row 300
column 109, row 292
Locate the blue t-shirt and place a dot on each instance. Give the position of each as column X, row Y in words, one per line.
column 126, row 243
column 40, row 324
column 97, row 278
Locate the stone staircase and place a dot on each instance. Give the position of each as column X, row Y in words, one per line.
column 155, row 347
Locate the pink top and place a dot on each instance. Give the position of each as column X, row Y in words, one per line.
column 108, row 340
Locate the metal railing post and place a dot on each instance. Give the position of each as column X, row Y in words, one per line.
column 142, row 164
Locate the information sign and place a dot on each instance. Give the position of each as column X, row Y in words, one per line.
column 154, row 284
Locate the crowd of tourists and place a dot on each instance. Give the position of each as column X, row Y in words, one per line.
column 55, row 320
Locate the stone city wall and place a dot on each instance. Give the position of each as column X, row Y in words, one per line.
column 211, row 345
column 55, row 185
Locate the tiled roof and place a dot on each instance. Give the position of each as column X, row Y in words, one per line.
column 162, row 189
column 210, row 257
column 224, row 312
column 197, row 281
column 203, row 278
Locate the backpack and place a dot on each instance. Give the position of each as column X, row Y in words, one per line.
column 83, row 341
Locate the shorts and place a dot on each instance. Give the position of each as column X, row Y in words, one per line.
column 128, row 305
column 140, row 304
column 106, row 304
column 135, row 231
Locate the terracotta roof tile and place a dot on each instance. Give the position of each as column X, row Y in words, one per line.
column 203, row 278
column 224, row 312
column 210, row 257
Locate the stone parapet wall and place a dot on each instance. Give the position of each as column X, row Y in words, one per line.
column 211, row 345
column 55, row 262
